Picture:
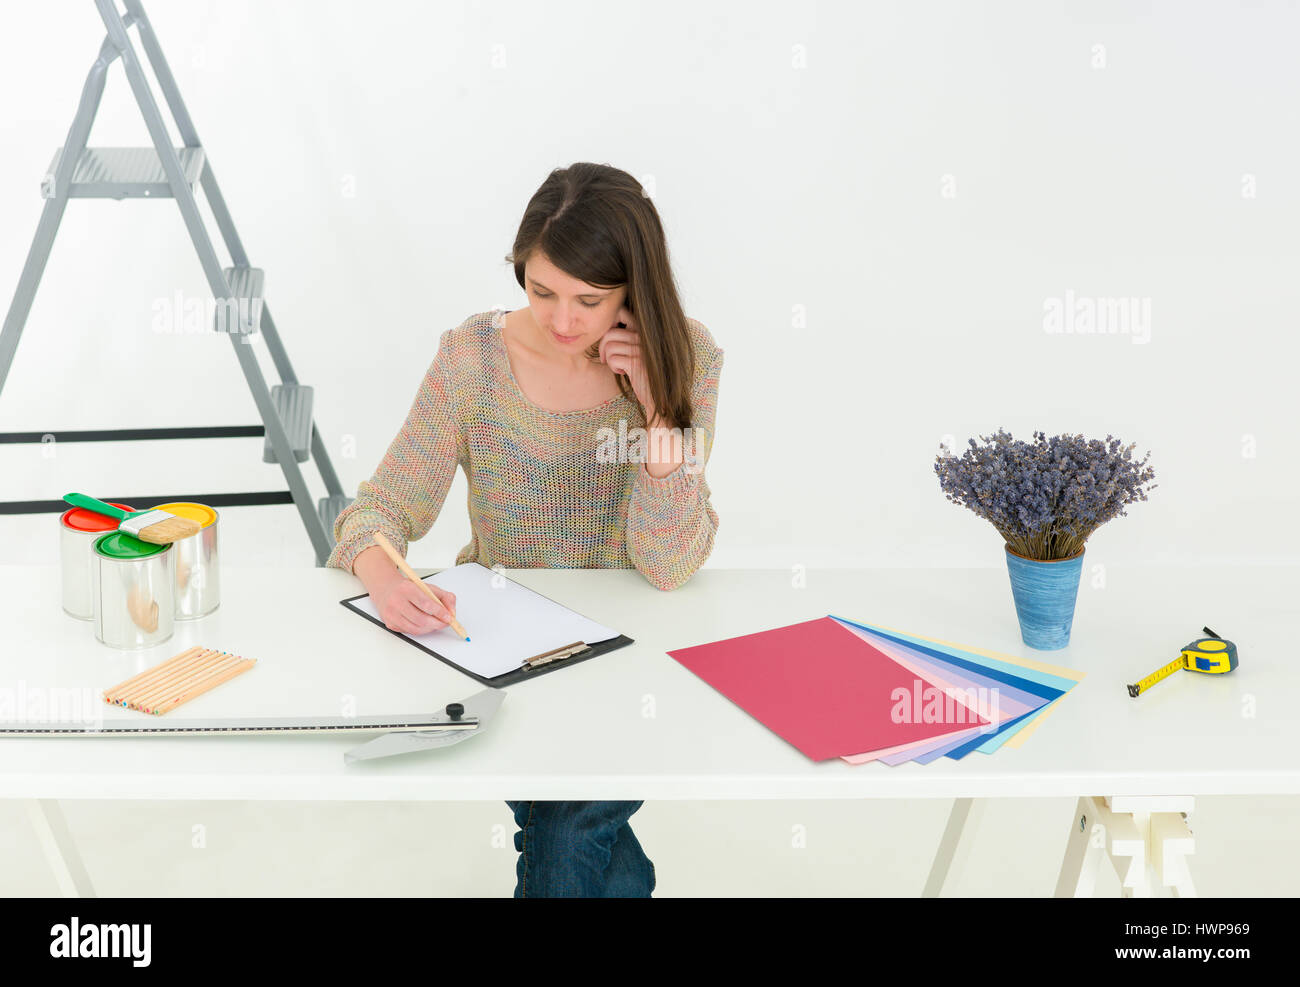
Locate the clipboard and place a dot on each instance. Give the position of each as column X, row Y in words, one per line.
column 529, row 666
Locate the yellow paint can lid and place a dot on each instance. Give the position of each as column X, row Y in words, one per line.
column 201, row 513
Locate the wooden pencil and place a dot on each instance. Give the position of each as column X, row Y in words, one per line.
column 153, row 682
column 150, row 703
column 160, row 675
column 203, row 686
column 177, row 680
column 149, row 671
column 409, row 573
column 166, row 690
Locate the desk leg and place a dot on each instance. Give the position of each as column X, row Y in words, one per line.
column 60, row 849
column 1171, row 844
column 954, row 848
column 1084, row 853
column 1145, row 838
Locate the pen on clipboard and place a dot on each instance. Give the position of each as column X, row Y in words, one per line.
column 409, row 573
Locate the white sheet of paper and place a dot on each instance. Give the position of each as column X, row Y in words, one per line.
column 506, row 622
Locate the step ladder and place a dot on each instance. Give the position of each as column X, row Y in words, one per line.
column 163, row 171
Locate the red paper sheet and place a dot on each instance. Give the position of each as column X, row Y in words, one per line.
column 824, row 689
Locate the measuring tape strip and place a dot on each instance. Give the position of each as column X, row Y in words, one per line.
column 1159, row 675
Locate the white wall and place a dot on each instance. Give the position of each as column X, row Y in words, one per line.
column 785, row 189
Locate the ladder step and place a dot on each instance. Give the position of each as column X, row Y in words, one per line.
column 329, row 509
column 293, row 402
column 123, row 173
column 242, row 311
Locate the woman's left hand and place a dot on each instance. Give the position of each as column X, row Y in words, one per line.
column 620, row 350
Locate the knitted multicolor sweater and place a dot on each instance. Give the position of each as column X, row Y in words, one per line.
column 547, row 489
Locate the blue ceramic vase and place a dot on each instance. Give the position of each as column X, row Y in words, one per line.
column 1045, row 593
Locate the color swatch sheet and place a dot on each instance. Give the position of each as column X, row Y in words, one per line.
column 1014, row 697
column 822, row 687
column 835, row 687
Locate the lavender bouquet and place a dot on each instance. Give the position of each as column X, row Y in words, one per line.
column 1047, row 496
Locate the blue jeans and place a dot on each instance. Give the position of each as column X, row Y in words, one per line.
column 579, row 850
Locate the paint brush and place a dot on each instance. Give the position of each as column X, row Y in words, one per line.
column 155, row 527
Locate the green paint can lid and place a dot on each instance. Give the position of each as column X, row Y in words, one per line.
column 120, row 545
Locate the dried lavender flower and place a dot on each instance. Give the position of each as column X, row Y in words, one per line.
column 1047, row 496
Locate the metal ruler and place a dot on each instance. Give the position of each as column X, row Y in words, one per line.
column 401, row 733
column 251, row 726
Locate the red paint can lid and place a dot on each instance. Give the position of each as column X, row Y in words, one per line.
column 80, row 519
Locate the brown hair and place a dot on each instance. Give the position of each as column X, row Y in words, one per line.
column 596, row 223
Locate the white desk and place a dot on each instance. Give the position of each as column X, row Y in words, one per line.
column 633, row 724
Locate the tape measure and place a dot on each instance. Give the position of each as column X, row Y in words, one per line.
column 1211, row 654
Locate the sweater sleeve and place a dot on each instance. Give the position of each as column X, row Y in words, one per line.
column 670, row 522
column 403, row 497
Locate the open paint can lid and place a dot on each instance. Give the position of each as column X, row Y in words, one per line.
column 80, row 519
column 120, row 545
column 201, row 513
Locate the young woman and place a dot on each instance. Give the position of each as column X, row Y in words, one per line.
column 526, row 402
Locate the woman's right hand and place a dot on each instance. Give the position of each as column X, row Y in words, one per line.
column 405, row 608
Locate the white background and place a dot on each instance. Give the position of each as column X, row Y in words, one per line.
column 377, row 158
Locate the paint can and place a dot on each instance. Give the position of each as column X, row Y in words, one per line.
column 198, row 571
column 78, row 529
column 133, row 586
